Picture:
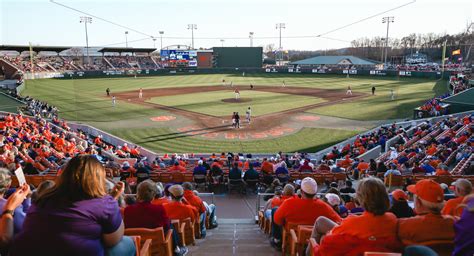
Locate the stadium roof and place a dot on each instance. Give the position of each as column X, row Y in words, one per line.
column 22, row 48
column 465, row 98
column 335, row 60
column 125, row 49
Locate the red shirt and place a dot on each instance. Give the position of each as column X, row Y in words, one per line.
column 304, row 211
column 180, row 211
column 145, row 215
column 194, row 201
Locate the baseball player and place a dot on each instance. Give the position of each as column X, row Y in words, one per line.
column 248, row 114
column 349, row 90
column 113, row 101
column 140, row 94
column 237, row 94
column 283, row 84
column 392, row 94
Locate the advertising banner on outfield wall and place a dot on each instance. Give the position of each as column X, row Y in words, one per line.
column 199, row 70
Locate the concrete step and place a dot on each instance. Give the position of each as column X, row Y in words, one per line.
column 234, row 239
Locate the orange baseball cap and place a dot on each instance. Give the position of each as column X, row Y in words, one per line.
column 399, row 195
column 428, row 190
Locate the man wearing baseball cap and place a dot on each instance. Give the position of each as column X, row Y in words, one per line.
column 462, row 188
column 429, row 224
column 177, row 210
column 304, row 210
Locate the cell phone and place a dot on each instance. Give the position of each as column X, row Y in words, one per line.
column 20, row 176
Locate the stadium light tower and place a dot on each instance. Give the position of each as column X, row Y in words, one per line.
column 126, row 39
column 387, row 20
column 192, row 27
column 161, row 39
column 251, row 38
column 222, row 42
column 85, row 20
column 280, row 26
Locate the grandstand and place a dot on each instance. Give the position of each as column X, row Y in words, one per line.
column 193, row 148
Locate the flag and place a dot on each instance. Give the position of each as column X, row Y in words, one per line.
column 456, row 52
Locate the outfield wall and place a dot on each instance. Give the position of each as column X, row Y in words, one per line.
column 182, row 71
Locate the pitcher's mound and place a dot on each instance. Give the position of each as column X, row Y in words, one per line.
column 233, row 100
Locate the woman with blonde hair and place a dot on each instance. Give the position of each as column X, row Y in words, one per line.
column 76, row 216
column 375, row 229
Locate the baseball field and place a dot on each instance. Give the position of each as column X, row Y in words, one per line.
column 192, row 113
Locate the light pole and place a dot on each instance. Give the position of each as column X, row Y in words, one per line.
column 387, row 20
column 192, row 27
column 251, row 38
column 161, row 39
column 85, row 20
column 280, row 26
column 381, row 49
column 222, row 42
column 126, row 39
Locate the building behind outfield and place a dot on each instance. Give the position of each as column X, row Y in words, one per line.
column 344, row 60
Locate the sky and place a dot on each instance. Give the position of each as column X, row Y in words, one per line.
column 42, row 22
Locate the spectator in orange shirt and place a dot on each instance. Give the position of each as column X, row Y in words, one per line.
column 462, row 188
column 267, row 167
column 304, row 210
column 200, row 205
column 376, row 223
column 442, row 170
column 177, row 168
column 267, row 171
column 429, row 224
column 177, row 210
column 346, row 162
column 362, row 166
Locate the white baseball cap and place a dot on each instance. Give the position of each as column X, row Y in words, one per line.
column 333, row 199
column 309, row 186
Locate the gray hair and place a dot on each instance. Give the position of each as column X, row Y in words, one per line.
column 5, row 180
column 146, row 191
column 435, row 208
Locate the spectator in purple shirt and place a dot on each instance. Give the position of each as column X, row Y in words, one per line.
column 76, row 216
column 20, row 212
column 464, row 230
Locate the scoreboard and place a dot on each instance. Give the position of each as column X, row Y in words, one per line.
column 179, row 58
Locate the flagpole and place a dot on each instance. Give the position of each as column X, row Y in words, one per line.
column 31, row 62
column 443, row 59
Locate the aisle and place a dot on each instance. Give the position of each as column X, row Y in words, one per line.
column 234, row 237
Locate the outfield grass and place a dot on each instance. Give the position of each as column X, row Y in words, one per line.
column 211, row 102
column 381, row 106
column 166, row 140
column 84, row 100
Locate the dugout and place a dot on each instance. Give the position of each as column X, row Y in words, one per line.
column 463, row 101
column 237, row 57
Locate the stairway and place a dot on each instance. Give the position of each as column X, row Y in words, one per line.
column 234, row 237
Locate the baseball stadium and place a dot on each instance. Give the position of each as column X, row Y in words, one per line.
column 354, row 145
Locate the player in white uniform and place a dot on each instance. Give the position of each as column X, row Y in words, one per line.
column 237, row 94
column 113, row 101
column 349, row 90
column 140, row 94
column 283, row 84
column 392, row 94
column 248, row 114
